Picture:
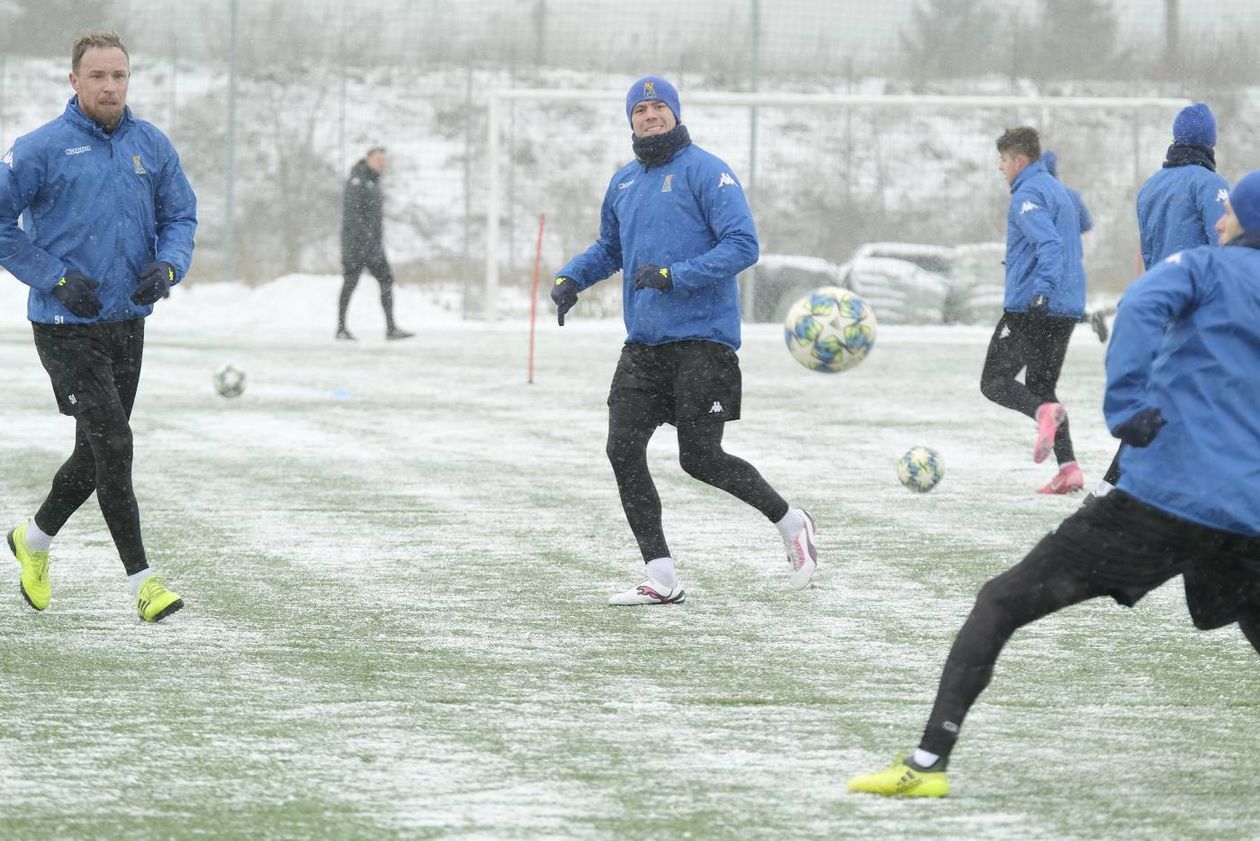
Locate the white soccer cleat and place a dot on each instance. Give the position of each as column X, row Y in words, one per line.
column 802, row 554
column 649, row 592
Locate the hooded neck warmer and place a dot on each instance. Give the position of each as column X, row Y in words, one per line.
column 1188, row 154
column 1247, row 239
column 657, row 149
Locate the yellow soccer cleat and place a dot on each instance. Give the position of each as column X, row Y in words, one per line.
column 902, row 780
column 35, row 586
column 155, row 602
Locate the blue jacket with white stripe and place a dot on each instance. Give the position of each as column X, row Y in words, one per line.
column 1043, row 245
column 1187, row 341
column 103, row 204
column 689, row 215
column 1178, row 208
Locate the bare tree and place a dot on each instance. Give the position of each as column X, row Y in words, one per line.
column 949, row 38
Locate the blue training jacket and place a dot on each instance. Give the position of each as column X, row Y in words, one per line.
column 104, row 204
column 1187, row 340
column 1082, row 212
column 1178, row 208
column 689, row 215
column 1043, row 245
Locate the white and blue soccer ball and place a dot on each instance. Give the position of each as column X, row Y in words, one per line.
column 920, row 469
column 830, row 330
column 229, row 381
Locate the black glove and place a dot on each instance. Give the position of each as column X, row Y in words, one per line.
column 75, row 292
column 564, row 294
column 1141, row 429
column 652, row 277
column 1040, row 307
column 154, row 283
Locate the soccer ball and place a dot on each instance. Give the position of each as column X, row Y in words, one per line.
column 920, row 469
column 229, row 381
column 830, row 330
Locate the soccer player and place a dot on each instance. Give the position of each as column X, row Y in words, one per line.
column 1183, row 371
column 1178, row 207
column 676, row 223
column 1045, row 298
column 107, row 229
column 1097, row 319
column 362, row 241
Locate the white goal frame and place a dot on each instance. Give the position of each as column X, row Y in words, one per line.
column 498, row 97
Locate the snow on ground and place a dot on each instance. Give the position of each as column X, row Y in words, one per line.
column 396, row 555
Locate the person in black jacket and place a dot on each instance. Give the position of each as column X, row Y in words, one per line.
column 361, row 241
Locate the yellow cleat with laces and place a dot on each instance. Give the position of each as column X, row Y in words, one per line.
column 902, row 780
column 154, row 602
column 35, row 586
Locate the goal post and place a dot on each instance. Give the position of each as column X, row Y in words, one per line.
column 1031, row 108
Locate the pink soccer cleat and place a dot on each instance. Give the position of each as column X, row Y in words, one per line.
column 1049, row 417
column 1068, row 480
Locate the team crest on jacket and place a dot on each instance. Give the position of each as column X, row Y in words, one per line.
column 140, row 170
column 668, row 186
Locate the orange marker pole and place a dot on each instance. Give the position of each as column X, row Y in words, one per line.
column 533, row 295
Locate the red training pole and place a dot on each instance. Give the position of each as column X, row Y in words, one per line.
column 533, row 295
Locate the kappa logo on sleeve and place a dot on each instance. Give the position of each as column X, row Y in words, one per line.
column 1222, row 195
column 726, row 180
column 1173, row 258
column 7, row 160
column 1028, row 207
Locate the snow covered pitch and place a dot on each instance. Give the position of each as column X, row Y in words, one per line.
column 396, row 556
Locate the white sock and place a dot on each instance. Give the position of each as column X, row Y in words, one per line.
column 662, row 570
column 924, row 759
column 136, row 579
column 791, row 522
column 36, row 540
column 1104, row 488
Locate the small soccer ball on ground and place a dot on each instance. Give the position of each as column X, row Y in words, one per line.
column 830, row 330
column 229, row 381
column 920, row 469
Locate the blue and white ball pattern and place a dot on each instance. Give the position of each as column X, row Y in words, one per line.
column 830, row 330
column 229, row 381
column 920, row 469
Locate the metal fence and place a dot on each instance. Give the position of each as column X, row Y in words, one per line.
column 270, row 103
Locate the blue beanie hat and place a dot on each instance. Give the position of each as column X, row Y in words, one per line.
column 652, row 87
column 1195, row 124
column 1245, row 199
column 1052, row 162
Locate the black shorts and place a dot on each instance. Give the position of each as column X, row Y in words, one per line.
column 91, row 365
column 1128, row 548
column 689, row 381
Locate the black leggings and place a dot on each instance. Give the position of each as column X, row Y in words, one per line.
column 700, row 453
column 1041, row 584
column 101, row 462
column 381, row 271
column 1032, row 589
column 1037, row 346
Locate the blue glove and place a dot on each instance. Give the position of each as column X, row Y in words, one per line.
column 564, row 294
column 1040, row 307
column 652, row 277
column 1141, row 429
column 154, row 283
column 75, row 292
